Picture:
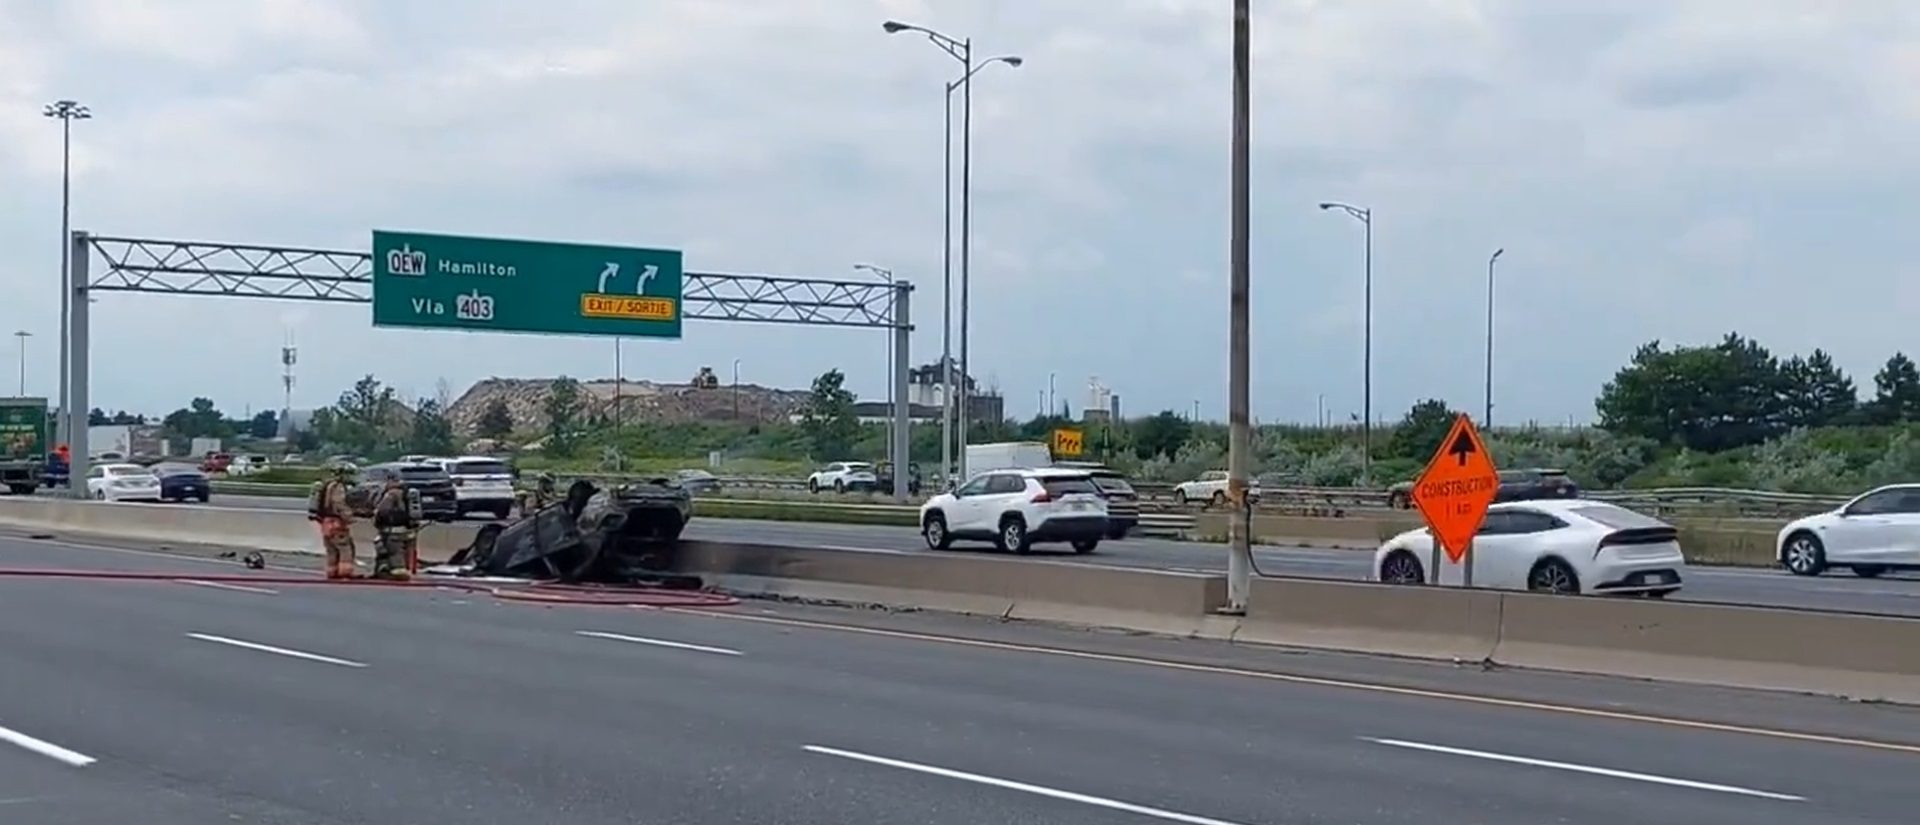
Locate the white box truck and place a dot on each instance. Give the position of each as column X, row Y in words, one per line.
column 1008, row 455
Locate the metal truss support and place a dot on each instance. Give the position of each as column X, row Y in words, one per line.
column 168, row 267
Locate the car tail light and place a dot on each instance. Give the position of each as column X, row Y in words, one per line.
column 1042, row 497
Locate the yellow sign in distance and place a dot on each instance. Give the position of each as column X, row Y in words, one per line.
column 1068, row 442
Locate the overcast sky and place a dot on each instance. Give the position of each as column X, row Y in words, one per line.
column 1670, row 169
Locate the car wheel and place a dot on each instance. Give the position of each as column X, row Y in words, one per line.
column 935, row 532
column 1398, row 501
column 813, row 486
column 1219, row 499
column 1013, row 536
column 1553, row 576
column 204, row 497
column 1804, row 555
column 1400, row 567
column 1868, row 571
column 99, row 495
column 1179, row 497
column 839, row 486
column 1085, row 546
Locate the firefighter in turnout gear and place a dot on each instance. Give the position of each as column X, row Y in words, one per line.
column 544, row 492
column 327, row 506
column 396, row 521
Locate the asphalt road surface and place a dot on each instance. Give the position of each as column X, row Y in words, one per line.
column 170, row 702
column 1893, row 594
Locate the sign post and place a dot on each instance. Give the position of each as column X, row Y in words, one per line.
column 501, row 285
column 1068, row 442
column 1454, row 492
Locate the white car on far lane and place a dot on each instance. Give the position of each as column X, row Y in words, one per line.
column 1570, row 546
column 122, row 482
column 1874, row 533
column 841, row 476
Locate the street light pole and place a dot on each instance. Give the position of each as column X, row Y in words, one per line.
column 1486, row 419
column 736, row 389
column 962, row 51
column 1240, row 435
column 23, row 335
column 67, row 111
column 1365, row 217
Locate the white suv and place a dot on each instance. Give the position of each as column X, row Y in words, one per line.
column 1211, row 489
column 842, row 476
column 480, row 484
column 1015, row 508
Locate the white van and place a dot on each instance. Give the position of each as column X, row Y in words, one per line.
column 1008, row 455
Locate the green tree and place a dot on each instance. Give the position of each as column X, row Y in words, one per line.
column 563, row 407
column 97, row 417
column 496, row 421
column 432, row 433
column 359, row 419
column 828, row 420
column 199, row 419
column 1161, row 435
column 1731, row 394
column 1816, row 393
column 265, row 424
column 1896, row 391
column 1421, row 430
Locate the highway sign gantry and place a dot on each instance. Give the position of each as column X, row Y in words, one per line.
column 1455, row 490
column 500, row 285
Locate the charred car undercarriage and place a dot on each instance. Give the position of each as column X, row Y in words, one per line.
column 619, row 535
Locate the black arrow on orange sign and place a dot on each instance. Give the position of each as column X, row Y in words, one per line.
column 1461, row 448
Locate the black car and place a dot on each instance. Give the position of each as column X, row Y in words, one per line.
column 1123, row 502
column 1529, row 485
column 183, row 482
column 883, row 478
column 437, row 498
column 697, row 481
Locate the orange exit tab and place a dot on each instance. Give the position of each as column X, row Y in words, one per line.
column 1456, row 488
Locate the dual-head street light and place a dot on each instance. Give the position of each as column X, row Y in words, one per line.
column 962, row 51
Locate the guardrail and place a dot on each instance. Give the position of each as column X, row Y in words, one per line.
column 1332, row 502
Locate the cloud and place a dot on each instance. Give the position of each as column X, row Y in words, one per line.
column 1677, row 169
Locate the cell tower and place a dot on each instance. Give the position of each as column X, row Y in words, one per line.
column 289, row 355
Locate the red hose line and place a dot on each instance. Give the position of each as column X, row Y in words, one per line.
column 533, row 592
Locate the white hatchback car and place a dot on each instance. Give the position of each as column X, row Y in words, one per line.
column 1570, row 546
column 1016, row 508
column 122, row 482
column 1874, row 533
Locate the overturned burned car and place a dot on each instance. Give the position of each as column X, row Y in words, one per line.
column 619, row 534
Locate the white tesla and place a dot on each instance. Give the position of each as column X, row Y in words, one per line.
column 122, row 482
column 1874, row 533
column 1557, row 546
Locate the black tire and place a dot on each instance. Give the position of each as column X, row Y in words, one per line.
column 1399, row 501
column 839, row 486
column 1085, row 546
column 204, row 497
column 21, row 489
column 935, row 532
column 99, row 495
column 1180, row 497
column 1868, row 571
column 1804, row 555
column 1402, row 567
column 1553, row 576
column 813, row 486
column 1219, row 499
column 1012, row 536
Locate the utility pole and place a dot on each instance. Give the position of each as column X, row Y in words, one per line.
column 1240, row 438
column 1486, row 419
column 23, row 335
column 67, row 111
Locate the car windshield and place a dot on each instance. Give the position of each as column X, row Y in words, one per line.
column 1618, row 518
column 1069, row 485
column 176, row 470
column 128, row 470
column 479, row 468
column 422, row 474
column 859, row 468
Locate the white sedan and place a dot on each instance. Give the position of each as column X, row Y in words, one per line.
column 122, row 482
column 1874, row 533
column 1570, row 546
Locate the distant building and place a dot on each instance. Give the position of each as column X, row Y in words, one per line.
column 926, row 388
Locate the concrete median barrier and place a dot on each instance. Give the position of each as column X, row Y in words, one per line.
column 1422, row 622
column 1859, row 656
column 280, row 531
column 1153, row 601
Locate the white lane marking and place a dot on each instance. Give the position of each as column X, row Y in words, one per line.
column 237, row 588
column 642, row 640
column 280, row 651
column 1008, row 784
column 1586, row 769
column 849, row 549
column 45, row 748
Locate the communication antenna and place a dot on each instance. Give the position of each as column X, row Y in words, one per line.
column 289, row 355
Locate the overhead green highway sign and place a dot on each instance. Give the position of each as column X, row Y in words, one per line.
column 505, row 285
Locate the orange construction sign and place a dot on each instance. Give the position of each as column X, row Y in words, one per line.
column 1456, row 488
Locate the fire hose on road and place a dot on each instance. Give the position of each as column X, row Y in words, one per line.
column 507, row 590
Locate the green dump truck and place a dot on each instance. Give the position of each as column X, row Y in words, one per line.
column 23, row 443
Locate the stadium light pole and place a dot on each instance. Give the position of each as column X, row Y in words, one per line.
column 1486, row 418
column 953, row 467
column 67, row 111
column 1365, row 217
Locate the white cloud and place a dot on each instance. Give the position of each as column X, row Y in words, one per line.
column 1675, row 168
